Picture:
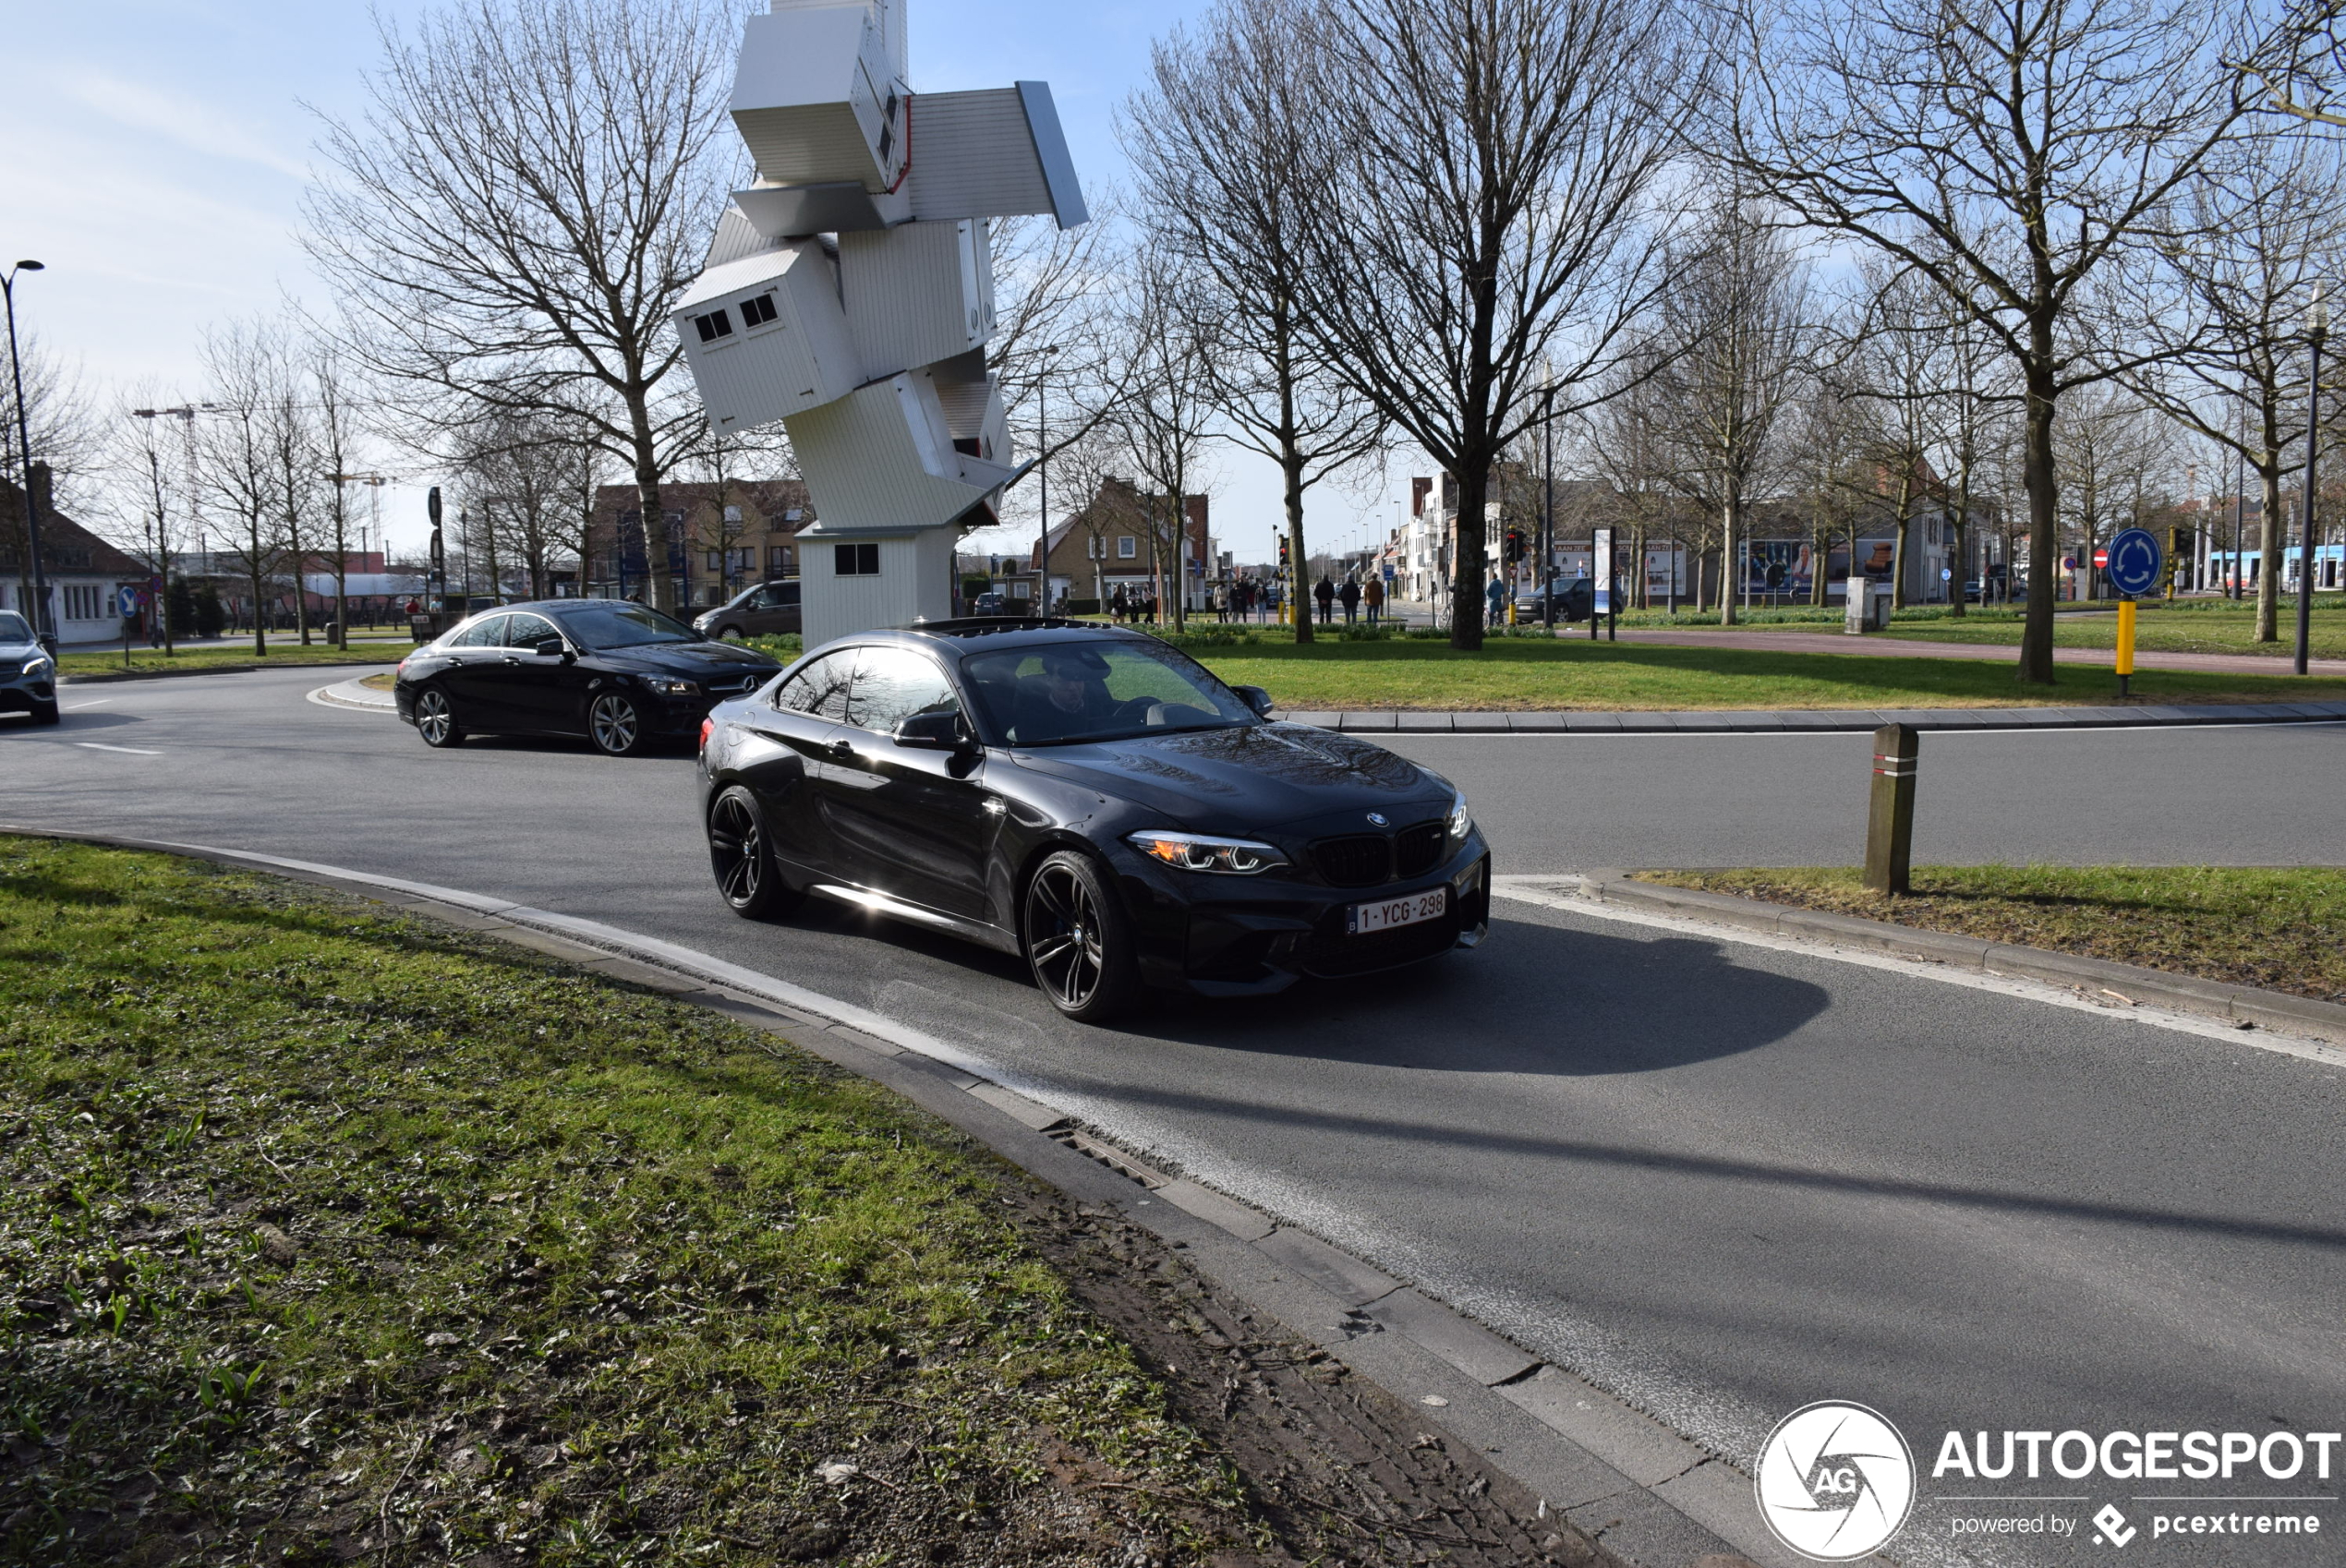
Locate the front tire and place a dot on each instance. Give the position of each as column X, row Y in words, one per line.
column 616, row 725
column 436, row 720
column 45, row 713
column 1078, row 943
column 743, row 861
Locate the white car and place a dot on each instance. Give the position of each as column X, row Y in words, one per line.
column 28, row 675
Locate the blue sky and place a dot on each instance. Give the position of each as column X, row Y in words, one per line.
column 158, row 150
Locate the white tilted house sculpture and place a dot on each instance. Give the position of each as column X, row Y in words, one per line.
column 850, row 293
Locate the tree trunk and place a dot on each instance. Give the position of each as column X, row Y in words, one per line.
column 259, row 636
column 2270, row 541
column 2037, row 471
column 652, row 523
column 1898, row 547
column 1730, row 527
column 1292, row 478
column 1473, row 469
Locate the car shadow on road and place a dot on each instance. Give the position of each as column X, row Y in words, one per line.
column 1533, row 998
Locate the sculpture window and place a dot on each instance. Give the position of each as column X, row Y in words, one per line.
column 714, row 325
column 758, row 309
column 855, row 561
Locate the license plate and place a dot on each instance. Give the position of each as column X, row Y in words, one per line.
column 1362, row 918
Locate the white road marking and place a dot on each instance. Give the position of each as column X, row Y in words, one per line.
column 1545, row 891
column 125, row 750
column 93, row 702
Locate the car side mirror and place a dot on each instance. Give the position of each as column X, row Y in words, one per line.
column 551, row 647
column 1256, row 698
column 933, row 732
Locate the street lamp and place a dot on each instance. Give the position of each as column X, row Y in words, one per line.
column 2318, row 330
column 42, row 627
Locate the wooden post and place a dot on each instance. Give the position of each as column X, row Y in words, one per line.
column 1890, row 825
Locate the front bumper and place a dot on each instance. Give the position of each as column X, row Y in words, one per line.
column 1250, row 937
column 27, row 694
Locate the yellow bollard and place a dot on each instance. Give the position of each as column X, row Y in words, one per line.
column 2125, row 643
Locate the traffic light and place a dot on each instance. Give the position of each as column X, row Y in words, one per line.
column 1515, row 546
column 1283, row 550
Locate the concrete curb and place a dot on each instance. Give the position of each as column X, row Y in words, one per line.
column 1405, row 721
column 351, row 695
column 1639, row 1493
column 2242, row 1004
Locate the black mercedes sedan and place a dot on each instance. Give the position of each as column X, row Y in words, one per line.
column 614, row 671
column 1092, row 800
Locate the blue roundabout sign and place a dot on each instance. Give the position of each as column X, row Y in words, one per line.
column 2134, row 562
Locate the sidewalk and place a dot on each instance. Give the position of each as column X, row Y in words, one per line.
column 1890, row 644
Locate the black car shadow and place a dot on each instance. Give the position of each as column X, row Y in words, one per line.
column 1533, row 998
column 69, row 719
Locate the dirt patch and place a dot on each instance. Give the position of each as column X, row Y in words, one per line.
column 1337, row 1470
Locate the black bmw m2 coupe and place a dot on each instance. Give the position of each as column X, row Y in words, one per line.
column 1092, row 800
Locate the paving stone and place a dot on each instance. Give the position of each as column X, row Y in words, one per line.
column 1033, row 1113
column 1316, row 1263
column 1247, row 1224
column 1468, row 1347
column 1367, row 722
column 1423, row 721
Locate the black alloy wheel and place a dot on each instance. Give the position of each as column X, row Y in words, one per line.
column 743, row 861
column 615, row 725
column 1077, row 939
column 436, row 718
column 731, row 634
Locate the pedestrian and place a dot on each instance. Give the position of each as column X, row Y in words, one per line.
column 1351, row 595
column 1373, row 595
column 1116, row 605
column 1495, row 596
column 1326, row 594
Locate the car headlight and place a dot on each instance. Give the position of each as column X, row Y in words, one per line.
column 1197, row 851
column 1460, row 823
column 38, row 666
column 668, row 686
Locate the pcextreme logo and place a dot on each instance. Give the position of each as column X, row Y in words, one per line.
column 1835, row 1481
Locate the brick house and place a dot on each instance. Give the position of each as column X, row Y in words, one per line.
column 82, row 570
column 721, row 538
column 1106, row 545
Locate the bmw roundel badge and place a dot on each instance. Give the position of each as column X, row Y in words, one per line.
column 1376, row 819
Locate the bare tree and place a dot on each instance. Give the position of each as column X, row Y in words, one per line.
column 63, row 436
column 1218, row 137
column 1171, row 334
column 238, row 462
column 1483, row 175
column 2008, row 151
column 335, row 436
column 530, row 190
column 1895, row 364
column 2272, row 210
column 1740, row 335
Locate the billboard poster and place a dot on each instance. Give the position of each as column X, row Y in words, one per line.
column 1778, row 568
column 1602, row 543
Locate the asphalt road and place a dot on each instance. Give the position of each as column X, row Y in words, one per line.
column 1721, row 1180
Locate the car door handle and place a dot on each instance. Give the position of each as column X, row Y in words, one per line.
column 512, row 659
column 844, row 749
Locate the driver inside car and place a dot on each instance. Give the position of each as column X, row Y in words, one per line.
column 1067, row 696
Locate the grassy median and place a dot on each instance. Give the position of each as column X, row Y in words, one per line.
column 2216, row 626
column 145, row 660
column 326, row 1234
column 2282, row 929
column 1523, row 673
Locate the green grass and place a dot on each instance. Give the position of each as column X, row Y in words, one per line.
column 1537, row 673
column 2280, row 929
column 2185, row 626
column 234, row 655
column 325, row 1233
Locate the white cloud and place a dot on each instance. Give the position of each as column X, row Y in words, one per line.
column 190, row 122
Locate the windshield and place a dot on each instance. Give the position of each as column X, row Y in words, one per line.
column 615, row 623
column 13, row 628
column 1064, row 694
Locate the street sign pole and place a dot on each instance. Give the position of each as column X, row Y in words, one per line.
column 2133, row 564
